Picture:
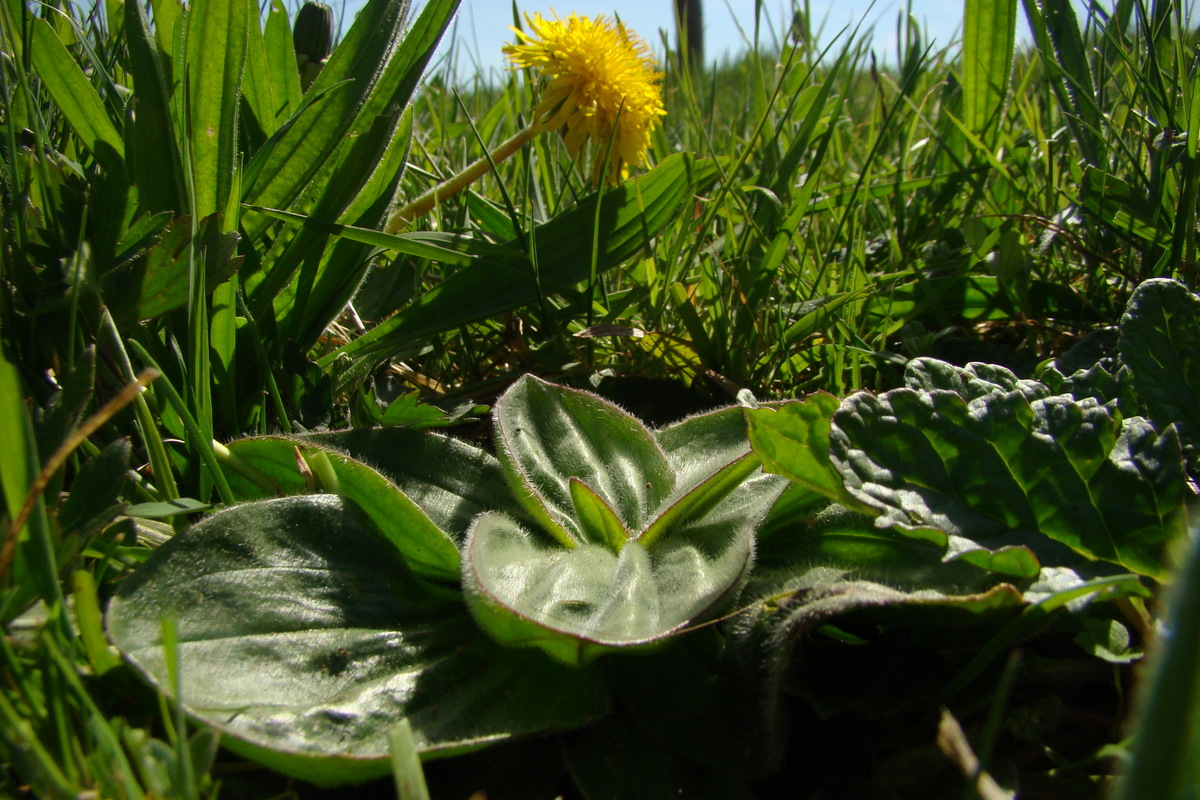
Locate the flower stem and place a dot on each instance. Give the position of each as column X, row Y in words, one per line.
column 452, row 186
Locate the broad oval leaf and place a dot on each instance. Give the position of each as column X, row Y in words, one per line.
column 548, row 434
column 302, row 636
column 527, row 590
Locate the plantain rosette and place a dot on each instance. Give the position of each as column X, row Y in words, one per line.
column 351, row 593
column 632, row 534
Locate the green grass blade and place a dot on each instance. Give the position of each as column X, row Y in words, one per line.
column 340, row 272
column 1056, row 34
column 1166, row 744
column 217, row 41
column 634, row 211
column 989, row 36
column 281, row 62
column 27, row 550
column 1192, row 100
column 157, row 166
column 447, row 248
column 196, row 438
column 160, row 462
column 15, row 477
column 258, row 85
column 91, row 625
column 75, row 96
column 382, row 75
column 30, row 758
column 406, row 763
column 366, row 176
column 166, row 14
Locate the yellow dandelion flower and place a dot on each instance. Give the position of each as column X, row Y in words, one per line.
column 600, row 86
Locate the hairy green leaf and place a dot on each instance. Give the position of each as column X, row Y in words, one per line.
column 547, row 435
column 451, row 481
column 275, row 462
column 527, row 590
column 304, row 639
column 639, row 534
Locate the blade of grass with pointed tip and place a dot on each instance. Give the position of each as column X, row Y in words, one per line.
column 1055, row 29
column 316, row 296
column 989, row 37
column 1166, row 743
column 283, row 169
column 33, row 564
column 634, row 212
column 353, row 185
column 160, row 185
column 383, row 75
column 75, row 96
column 451, row 249
column 258, row 82
column 217, row 40
column 281, row 61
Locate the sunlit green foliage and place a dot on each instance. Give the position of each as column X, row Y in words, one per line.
column 186, row 207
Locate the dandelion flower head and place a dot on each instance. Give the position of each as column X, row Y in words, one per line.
column 601, row 86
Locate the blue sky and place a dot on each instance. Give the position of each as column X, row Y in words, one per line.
column 481, row 28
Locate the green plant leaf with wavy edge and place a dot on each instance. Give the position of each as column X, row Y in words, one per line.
column 794, row 441
column 303, row 638
column 975, row 452
column 1160, row 343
